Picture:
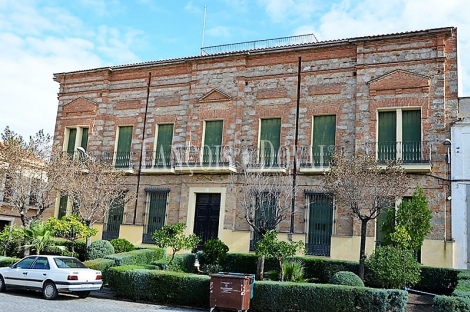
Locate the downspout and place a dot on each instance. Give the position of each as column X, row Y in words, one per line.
column 296, row 141
column 139, row 168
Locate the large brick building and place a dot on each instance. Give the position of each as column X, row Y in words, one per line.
column 393, row 95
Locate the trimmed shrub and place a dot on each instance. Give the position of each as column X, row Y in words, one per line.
column 142, row 256
column 393, row 267
column 79, row 248
column 437, row 280
column 346, row 278
column 99, row 249
column 121, row 245
column 214, row 251
column 163, row 287
column 181, row 263
column 451, row 304
column 7, row 261
column 246, row 263
column 463, row 275
column 280, row 297
column 102, row 265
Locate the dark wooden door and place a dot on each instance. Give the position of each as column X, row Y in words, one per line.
column 206, row 218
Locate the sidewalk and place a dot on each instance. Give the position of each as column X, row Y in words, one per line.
column 107, row 293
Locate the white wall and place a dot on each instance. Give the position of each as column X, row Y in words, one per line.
column 460, row 186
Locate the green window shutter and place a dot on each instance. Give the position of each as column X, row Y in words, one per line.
column 387, row 136
column 84, row 142
column 270, row 141
column 212, row 141
column 71, row 142
column 123, row 147
column 157, row 211
column 324, row 132
column 411, row 135
column 164, row 142
column 62, row 206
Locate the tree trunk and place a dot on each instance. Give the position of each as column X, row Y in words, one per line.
column 362, row 251
column 260, row 269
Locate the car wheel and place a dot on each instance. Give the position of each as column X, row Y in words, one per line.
column 49, row 291
column 2, row 284
column 83, row 294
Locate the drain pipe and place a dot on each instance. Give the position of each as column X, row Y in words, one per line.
column 139, row 168
column 296, row 141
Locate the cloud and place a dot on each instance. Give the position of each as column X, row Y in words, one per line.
column 38, row 41
column 290, row 11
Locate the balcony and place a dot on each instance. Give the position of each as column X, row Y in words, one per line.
column 272, row 159
column 315, row 160
column 158, row 162
column 414, row 156
column 121, row 160
column 206, row 159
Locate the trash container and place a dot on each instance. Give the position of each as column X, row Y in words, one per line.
column 231, row 291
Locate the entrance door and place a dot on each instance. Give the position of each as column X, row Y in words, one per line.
column 320, row 224
column 206, row 219
column 112, row 225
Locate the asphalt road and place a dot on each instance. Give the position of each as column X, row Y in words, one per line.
column 28, row 301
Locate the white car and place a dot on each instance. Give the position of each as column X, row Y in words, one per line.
column 51, row 275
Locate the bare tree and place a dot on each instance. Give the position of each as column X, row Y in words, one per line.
column 266, row 199
column 32, row 174
column 94, row 187
column 365, row 186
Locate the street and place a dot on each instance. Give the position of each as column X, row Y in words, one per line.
column 28, row 301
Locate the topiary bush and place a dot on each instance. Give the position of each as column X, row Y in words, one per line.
column 346, row 278
column 214, row 251
column 99, row 249
column 122, row 245
column 393, row 267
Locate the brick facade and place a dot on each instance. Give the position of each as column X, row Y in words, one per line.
column 352, row 79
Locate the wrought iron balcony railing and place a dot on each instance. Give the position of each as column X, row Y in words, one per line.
column 205, row 156
column 120, row 160
column 407, row 152
column 318, row 156
column 265, row 158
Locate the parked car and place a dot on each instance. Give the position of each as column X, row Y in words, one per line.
column 51, row 275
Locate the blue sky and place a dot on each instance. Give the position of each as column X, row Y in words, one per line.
column 39, row 38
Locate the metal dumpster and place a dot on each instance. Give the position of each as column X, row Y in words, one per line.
column 231, row 291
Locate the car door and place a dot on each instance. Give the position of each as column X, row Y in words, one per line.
column 37, row 273
column 19, row 272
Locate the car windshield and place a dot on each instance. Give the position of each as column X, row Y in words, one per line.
column 65, row 263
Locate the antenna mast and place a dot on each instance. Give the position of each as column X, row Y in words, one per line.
column 203, row 30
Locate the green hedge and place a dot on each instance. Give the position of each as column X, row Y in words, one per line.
column 280, row 297
column 181, row 263
column 7, row 261
column 163, row 287
column 440, row 281
column 316, row 269
column 102, row 265
column 451, row 304
column 140, row 256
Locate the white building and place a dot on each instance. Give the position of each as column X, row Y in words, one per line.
column 459, row 160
